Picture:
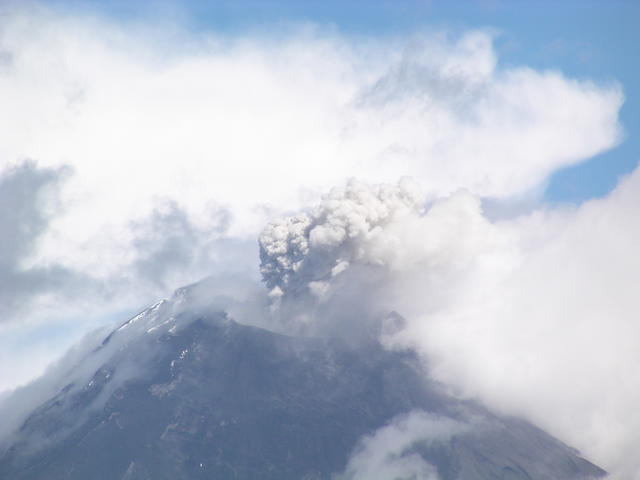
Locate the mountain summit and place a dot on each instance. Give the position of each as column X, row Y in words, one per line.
column 180, row 392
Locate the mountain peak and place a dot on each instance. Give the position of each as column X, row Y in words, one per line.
column 180, row 393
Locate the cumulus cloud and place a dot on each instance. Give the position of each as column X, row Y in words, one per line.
column 170, row 249
column 553, row 338
column 28, row 201
column 262, row 123
column 389, row 452
column 167, row 249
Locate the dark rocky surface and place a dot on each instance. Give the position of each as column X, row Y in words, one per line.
column 199, row 396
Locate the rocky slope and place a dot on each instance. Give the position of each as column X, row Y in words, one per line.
column 186, row 394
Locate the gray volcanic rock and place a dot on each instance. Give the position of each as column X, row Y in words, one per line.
column 179, row 394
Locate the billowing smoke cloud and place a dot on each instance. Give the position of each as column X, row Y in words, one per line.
column 534, row 315
column 383, row 243
column 305, row 251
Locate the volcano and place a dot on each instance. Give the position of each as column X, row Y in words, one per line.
column 184, row 392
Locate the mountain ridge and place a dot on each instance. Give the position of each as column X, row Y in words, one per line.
column 186, row 393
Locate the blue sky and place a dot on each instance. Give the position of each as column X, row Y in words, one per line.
column 590, row 39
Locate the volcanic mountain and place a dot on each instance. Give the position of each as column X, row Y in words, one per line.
column 184, row 392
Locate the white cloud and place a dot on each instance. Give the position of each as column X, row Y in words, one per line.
column 555, row 338
column 387, row 453
column 260, row 124
column 28, row 196
column 535, row 315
